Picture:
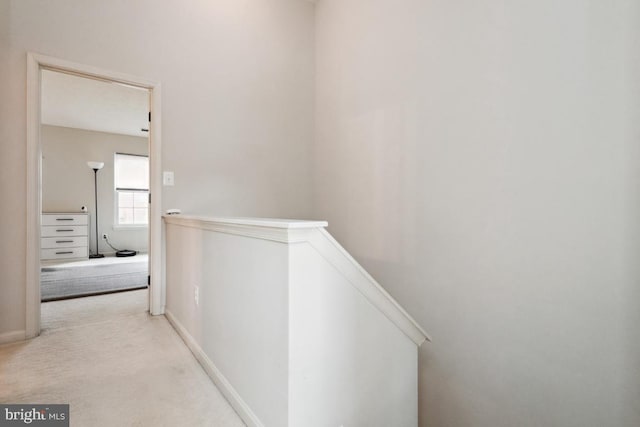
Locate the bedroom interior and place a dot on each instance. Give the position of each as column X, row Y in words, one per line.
column 95, row 185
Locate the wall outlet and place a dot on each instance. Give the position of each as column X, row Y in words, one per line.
column 196, row 294
column 104, row 236
column 168, row 178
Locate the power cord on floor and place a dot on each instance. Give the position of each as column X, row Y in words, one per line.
column 120, row 252
column 106, row 239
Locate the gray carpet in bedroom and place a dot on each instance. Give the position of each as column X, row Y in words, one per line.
column 62, row 282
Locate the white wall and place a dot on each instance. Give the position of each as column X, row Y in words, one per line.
column 237, row 93
column 12, row 186
column 241, row 320
column 349, row 364
column 481, row 159
column 67, row 181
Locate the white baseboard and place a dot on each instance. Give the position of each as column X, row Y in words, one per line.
column 13, row 336
column 240, row 406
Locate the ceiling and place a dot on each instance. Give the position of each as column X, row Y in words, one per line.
column 83, row 103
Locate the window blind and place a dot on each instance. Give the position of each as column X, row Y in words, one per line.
column 131, row 172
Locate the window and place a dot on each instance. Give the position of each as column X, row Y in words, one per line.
column 132, row 189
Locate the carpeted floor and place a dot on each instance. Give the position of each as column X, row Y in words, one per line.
column 93, row 277
column 114, row 364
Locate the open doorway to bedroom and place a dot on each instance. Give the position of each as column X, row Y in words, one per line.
column 94, row 235
column 152, row 298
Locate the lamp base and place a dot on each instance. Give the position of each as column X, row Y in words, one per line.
column 96, row 256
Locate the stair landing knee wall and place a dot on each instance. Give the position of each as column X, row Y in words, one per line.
column 292, row 330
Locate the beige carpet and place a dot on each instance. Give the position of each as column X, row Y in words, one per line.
column 114, row 364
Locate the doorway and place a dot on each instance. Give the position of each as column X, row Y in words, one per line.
column 125, row 206
column 95, row 186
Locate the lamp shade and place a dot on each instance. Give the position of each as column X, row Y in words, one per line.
column 95, row 165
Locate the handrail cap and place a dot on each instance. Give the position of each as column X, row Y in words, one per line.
column 256, row 222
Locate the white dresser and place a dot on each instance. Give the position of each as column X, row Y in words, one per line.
column 64, row 235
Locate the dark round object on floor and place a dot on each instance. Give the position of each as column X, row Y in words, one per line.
column 125, row 252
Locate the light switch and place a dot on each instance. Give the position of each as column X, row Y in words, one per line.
column 167, row 178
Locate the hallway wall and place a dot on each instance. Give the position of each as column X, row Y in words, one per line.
column 482, row 160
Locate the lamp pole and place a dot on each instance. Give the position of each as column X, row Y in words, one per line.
column 96, row 166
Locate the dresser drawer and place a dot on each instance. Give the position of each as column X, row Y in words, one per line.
column 61, row 253
column 63, row 230
column 65, row 219
column 63, row 242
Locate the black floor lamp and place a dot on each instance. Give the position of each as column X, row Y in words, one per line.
column 96, row 166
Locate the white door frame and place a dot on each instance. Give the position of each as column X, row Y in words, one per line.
column 35, row 63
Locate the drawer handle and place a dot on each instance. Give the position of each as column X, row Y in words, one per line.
column 62, row 230
column 64, row 252
column 64, row 219
column 64, row 241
